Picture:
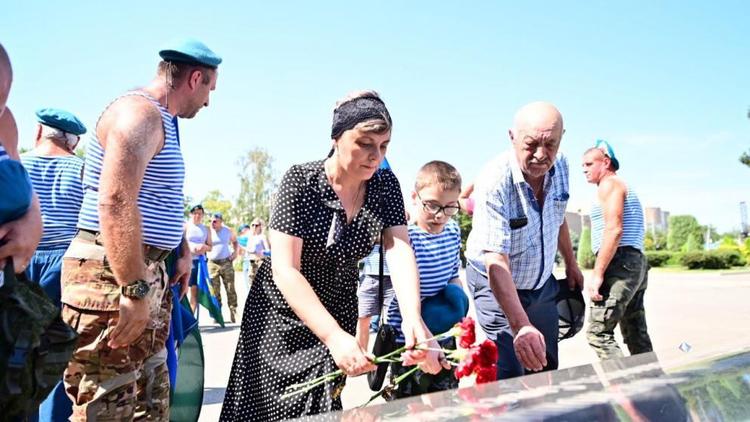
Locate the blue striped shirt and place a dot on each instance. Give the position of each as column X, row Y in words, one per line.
column 501, row 194
column 633, row 227
column 57, row 183
column 437, row 262
column 160, row 198
column 371, row 263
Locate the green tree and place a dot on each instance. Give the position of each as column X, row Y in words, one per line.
column 729, row 242
column 585, row 256
column 187, row 203
column 655, row 241
column 215, row 202
column 464, row 222
column 693, row 243
column 256, row 185
column 681, row 227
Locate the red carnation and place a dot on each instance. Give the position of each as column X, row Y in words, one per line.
column 486, row 374
column 487, row 354
column 467, row 366
column 468, row 334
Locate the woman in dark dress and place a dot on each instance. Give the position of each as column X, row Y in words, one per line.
column 301, row 313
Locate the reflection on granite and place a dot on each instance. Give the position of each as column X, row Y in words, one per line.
column 631, row 388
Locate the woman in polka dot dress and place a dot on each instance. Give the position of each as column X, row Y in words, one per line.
column 301, row 313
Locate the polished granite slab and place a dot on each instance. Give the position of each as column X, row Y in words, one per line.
column 634, row 388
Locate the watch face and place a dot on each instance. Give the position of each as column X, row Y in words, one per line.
column 141, row 290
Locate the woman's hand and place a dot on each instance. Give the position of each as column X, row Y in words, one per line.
column 348, row 355
column 429, row 361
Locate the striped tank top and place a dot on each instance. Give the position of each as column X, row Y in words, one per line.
column 160, row 198
column 437, row 263
column 633, row 228
column 57, row 183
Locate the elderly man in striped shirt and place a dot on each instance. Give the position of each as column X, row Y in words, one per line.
column 55, row 173
column 115, row 289
column 518, row 226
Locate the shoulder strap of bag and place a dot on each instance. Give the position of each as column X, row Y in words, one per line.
column 381, row 294
column 381, row 265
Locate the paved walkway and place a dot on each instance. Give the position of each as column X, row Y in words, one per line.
column 708, row 311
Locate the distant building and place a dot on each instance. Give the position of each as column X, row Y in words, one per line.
column 577, row 221
column 656, row 219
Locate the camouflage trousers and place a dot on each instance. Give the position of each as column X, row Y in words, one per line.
column 623, row 289
column 108, row 384
column 222, row 270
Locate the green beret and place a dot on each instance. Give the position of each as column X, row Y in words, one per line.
column 60, row 119
column 189, row 51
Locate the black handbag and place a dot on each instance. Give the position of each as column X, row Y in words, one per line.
column 385, row 339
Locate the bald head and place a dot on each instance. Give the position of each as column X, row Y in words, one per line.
column 537, row 116
column 6, row 77
column 536, row 135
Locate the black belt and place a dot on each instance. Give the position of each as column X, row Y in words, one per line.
column 151, row 253
column 628, row 249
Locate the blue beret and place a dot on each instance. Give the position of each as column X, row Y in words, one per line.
column 189, row 51
column 60, row 119
column 607, row 149
column 443, row 310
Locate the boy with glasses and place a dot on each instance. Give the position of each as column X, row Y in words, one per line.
column 436, row 240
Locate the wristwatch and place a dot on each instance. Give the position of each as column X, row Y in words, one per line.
column 135, row 290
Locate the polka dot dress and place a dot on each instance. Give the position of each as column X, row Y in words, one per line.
column 275, row 348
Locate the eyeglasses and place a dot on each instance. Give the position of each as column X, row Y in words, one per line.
column 434, row 209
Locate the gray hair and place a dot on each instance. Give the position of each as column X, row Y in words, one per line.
column 55, row 134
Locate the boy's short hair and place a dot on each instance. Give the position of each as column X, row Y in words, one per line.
column 438, row 173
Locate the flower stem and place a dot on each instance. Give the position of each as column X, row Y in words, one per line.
column 393, row 384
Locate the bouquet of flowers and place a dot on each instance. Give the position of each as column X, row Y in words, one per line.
column 468, row 359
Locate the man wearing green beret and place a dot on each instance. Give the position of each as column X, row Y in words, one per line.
column 55, row 173
column 115, row 289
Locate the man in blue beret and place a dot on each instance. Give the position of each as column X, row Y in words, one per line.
column 619, row 279
column 55, row 173
column 19, row 237
column 131, row 219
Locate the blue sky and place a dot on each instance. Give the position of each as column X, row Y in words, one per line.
column 666, row 83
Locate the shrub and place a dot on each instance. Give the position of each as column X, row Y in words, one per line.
column 711, row 260
column 675, row 258
column 658, row 258
column 585, row 257
column 732, row 257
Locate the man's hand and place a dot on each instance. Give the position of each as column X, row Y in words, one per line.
column 232, row 257
column 132, row 322
column 592, row 288
column 531, row 350
column 574, row 275
column 182, row 268
column 20, row 238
